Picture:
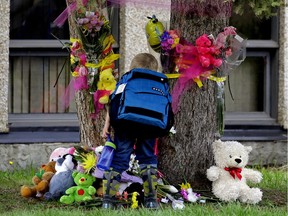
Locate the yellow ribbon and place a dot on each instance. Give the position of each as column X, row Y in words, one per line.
column 199, row 83
column 75, row 40
column 173, row 75
column 108, row 60
column 108, row 41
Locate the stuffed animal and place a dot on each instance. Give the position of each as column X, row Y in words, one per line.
column 83, row 190
column 59, row 152
column 40, row 181
column 106, row 85
column 62, row 180
column 229, row 176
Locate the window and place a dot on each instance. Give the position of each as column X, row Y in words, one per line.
column 251, row 90
column 38, row 62
column 34, row 19
column 252, row 115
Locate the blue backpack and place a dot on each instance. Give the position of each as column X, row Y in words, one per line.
column 140, row 106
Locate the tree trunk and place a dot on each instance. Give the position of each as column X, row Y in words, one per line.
column 187, row 155
column 90, row 129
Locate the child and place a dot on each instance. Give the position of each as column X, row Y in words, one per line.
column 124, row 148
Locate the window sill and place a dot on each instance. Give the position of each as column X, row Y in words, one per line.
column 256, row 133
column 64, row 128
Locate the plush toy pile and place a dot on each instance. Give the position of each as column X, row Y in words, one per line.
column 62, row 180
column 83, row 191
column 229, row 176
column 72, row 176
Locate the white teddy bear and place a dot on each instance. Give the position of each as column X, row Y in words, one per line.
column 229, row 175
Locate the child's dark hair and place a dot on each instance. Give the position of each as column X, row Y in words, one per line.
column 144, row 60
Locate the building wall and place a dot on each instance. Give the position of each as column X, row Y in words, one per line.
column 283, row 69
column 18, row 156
column 133, row 19
column 133, row 41
column 4, row 63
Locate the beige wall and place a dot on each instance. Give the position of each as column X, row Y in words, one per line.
column 133, row 19
column 283, row 69
column 4, row 63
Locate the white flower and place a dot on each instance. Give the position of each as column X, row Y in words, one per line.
column 178, row 204
column 168, row 188
column 192, row 197
column 172, row 130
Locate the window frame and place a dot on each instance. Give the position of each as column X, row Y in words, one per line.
column 269, row 49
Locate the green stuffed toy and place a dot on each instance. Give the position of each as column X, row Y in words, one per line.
column 83, row 190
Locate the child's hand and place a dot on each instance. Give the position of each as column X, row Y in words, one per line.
column 106, row 128
column 105, row 132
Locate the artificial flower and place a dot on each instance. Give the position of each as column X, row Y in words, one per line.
column 169, row 40
column 92, row 51
column 83, row 71
column 89, row 161
column 185, row 186
column 134, row 165
column 168, row 188
column 172, row 130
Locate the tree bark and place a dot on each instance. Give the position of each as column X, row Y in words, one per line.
column 187, row 155
column 90, row 129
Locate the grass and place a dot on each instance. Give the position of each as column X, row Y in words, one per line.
column 274, row 186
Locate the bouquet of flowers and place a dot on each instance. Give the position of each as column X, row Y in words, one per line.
column 92, row 52
column 169, row 41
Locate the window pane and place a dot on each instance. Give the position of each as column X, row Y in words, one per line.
column 32, row 81
column 251, row 26
column 247, row 86
column 30, row 19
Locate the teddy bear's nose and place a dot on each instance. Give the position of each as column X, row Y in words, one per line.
column 238, row 160
column 82, row 179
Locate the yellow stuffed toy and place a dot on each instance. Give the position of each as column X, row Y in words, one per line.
column 107, row 84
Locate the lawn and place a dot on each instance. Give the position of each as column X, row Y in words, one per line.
column 274, row 187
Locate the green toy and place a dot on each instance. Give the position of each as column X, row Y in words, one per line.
column 83, row 190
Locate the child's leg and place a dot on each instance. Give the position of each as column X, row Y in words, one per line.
column 145, row 152
column 148, row 164
column 120, row 163
column 124, row 148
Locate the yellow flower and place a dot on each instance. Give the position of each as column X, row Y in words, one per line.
column 89, row 161
column 185, row 186
column 134, row 200
column 176, row 41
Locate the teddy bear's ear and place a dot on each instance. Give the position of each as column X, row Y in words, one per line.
column 217, row 145
column 248, row 149
column 74, row 174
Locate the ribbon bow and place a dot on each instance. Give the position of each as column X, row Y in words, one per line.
column 234, row 172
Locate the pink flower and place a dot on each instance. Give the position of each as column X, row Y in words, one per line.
column 205, row 61
column 203, row 41
column 170, row 41
column 83, row 71
column 203, row 50
column 75, row 46
column 230, row 30
column 217, row 62
column 228, row 52
column 82, row 57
